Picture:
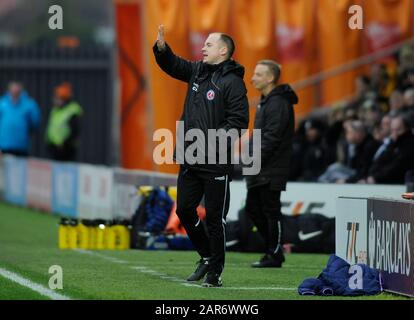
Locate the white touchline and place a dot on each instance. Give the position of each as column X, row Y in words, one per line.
column 32, row 285
column 244, row 288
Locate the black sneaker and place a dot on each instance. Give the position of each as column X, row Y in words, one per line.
column 212, row 280
column 200, row 272
column 261, row 260
column 269, row 261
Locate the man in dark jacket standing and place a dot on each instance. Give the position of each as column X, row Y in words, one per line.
column 275, row 117
column 216, row 99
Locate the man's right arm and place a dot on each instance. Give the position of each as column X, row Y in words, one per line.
column 173, row 65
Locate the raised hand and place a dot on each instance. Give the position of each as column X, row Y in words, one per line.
column 160, row 38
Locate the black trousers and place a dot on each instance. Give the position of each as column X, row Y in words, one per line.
column 264, row 209
column 191, row 186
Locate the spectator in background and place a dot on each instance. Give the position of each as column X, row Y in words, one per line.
column 362, row 89
column 409, row 98
column 405, row 60
column 370, row 114
column 313, row 158
column 391, row 166
column 408, row 109
column 407, row 81
column 63, row 126
column 381, row 82
column 383, row 135
column 334, row 134
column 19, row 117
column 298, row 145
column 359, row 151
column 396, row 101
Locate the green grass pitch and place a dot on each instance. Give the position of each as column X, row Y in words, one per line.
column 28, row 247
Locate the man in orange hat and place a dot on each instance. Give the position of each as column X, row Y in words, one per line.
column 64, row 125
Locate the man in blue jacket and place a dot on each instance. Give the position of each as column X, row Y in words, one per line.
column 19, row 116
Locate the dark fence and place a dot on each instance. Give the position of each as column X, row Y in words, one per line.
column 88, row 69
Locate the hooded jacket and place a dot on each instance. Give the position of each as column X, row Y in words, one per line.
column 276, row 119
column 216, row 99
column 17, row 120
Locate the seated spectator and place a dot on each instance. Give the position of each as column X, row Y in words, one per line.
column 359, row 151
column 19, row 116
column 407, row 80
column 391, row 166
column 409, row 98
column 313, row 159
column 298, row 146
column 334, row 135
column 370, row 114
column 383, row 135
column 396, row 100
column 408, row 108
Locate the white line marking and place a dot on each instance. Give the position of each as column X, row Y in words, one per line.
column 32, row 285
column 243, row 288
column 160, row 275
column 258, row 288
column 139, row 268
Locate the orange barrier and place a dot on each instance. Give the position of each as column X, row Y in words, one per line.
column 166, row 94
column 337, row 44
column 253, row 35
column 295, row 39
column 136, row 151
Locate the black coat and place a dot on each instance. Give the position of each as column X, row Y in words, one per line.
column 276, row 119
column 313, row 160
column 216, row 99
column 362, row 160
column 395, row 161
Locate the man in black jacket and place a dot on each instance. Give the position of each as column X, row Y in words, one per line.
column 216, row 99
column 275, row 117
column 392, row 165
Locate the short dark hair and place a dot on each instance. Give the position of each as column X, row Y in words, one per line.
column 274, row 68
column 229, row 42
